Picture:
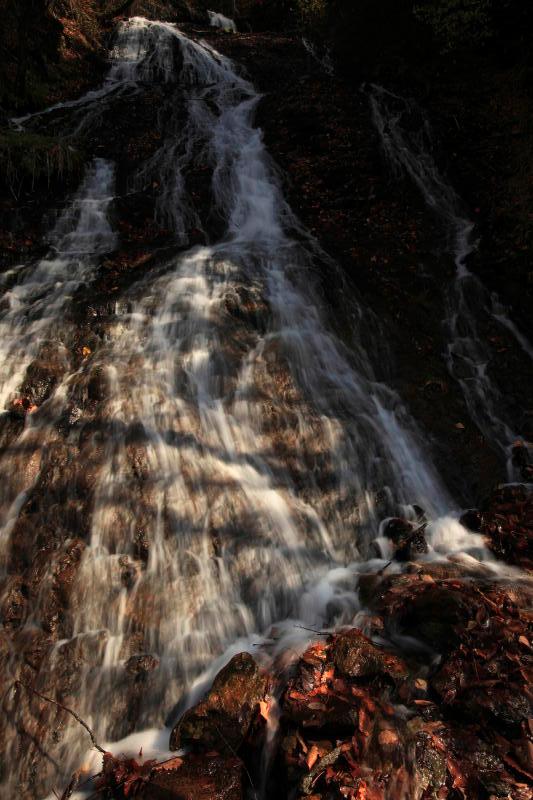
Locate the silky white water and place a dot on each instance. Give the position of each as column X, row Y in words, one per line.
column 245, row 455
column 217, row 20
column 33, row 329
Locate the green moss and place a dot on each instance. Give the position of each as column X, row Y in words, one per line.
column 457, row 23
column 29, row 159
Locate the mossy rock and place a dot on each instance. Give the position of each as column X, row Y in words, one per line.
column 29, row 159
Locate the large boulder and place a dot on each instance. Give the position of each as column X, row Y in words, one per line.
column 197, row 778
column 355, row 656
column 506, row 521
column 223, row 719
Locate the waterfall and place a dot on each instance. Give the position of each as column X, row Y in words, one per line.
column 33, row 331
column 228, row 477
column 217, row 20
column 408, row 148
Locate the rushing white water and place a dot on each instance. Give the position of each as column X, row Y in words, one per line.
column 135, row 57
column 34, row 303
column 323, row 59
column 32, row 328
column 408, row 148
column 217, row 20
column 245, row 455
column 501, row 315
column 215, row 411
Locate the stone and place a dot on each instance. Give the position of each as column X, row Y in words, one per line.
column 223, row 719
column 437, row 614
column 412, row 547
column 141, row 664
column 357, row 657
column 14, row 606
column 198, row 778
column 472, row 519
column 42, row 376
column 397, row 529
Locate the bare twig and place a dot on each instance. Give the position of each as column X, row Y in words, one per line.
column 228, row 744
column 64, row 708
column 312, row 630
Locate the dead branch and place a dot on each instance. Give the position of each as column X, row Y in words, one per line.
column 64, row 708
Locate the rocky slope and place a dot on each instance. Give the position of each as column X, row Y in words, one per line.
column 463, row 730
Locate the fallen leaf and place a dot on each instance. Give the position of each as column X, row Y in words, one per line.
column 387, row 738
column 312, row 757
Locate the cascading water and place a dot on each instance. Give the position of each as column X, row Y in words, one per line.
column 35, row 298
column 31, row 324
column 217, row 20
column 408, row 149
column 240, row 457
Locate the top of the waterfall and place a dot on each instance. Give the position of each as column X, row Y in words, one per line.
column 220, row 21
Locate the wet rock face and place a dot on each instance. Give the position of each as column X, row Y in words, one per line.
column 357, row 657
column 506, row 520
column 398, row 529
column 409, row 539
column 43, row 375
column 199, row 778
column 140, row 665
column 14, row 605
column 223, row 719
column 466, row 724
column 436, row 614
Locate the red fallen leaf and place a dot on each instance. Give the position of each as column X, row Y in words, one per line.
column 317, row 651
column 366, row 701
column 361, row 791
column 322, row 689
column 517, row 767
column 364, row 722
column 351, row 761
column 264, row 709
column 429, row 727
column 171, row 764
column 294, row 694
column 387, row 738
column 312, row 757
column 302, row 743
column 459, row 781
column 26, row 404
column 126, row 773
column 328, row 674
column 437, row 743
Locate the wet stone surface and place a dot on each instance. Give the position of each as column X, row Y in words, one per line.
column 223, row 720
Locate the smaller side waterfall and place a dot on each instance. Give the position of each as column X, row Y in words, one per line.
column 220, row 21
column 33, row 304
column 33, row 333
column 406, row 138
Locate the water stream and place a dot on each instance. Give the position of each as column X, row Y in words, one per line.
column 407, row 141
column 242, row 455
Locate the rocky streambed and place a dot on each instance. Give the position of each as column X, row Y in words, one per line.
column 367, row 712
